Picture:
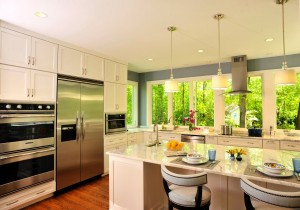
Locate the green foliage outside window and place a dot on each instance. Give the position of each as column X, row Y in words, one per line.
column 159, row 104
column 204, row 103
column 181, row 102
column 129, row 104
column 245, row 111
column 288, row 106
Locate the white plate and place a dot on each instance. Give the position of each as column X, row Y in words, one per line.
column 286, row 173
column 200, row 161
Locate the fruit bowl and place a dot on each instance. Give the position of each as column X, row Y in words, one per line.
column 193, row 157
column 275, row 168
column 174, row 145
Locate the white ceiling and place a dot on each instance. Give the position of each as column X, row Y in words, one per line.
column 135, row 30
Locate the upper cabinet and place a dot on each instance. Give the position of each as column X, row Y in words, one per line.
column 21, row 50
column 115, row 72
column 27, row 85
column 76, row 63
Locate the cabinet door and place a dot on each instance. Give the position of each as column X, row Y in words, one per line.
column 270, row 144
column 44, row 55
column 121, row 98
column 109, row 97
column 94, row 67
column 43, row 86
column 70, row 62
column 121, row 75
column 14, row 83
column 15, row 48
column 110, row 71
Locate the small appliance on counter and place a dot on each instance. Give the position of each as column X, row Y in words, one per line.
column 226, row 130
column 255, row 132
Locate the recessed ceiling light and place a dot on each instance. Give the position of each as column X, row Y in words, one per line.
column 41, row 14
column 200, row 51
column 269, row 40
column 150, row 59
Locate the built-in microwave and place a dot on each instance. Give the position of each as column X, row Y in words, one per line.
column 115, row 122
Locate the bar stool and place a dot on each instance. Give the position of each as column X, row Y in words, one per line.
column 186, row 191
column 267, row 199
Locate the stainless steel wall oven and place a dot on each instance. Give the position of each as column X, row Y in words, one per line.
column 27, row 136
column 115, row 122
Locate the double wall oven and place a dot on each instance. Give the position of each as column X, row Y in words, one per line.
column 27, row 136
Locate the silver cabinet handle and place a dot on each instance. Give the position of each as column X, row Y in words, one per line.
column 293, row 146
column 250, row 143
column 225, row 141
column 82, row 71
column 40, row 192
column 32, row 92
column 28, row 60
column 85, row 71
column 77, row 129
column 28, row 92
column 33, row 61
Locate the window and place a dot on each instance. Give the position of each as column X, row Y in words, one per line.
column 181, row 103
column 288, row 106
column 204, row 103
column 159, row 104
column 132, row 102
column 245, row 111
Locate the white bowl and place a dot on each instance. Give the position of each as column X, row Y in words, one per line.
column 193, row 157
column 275, row 168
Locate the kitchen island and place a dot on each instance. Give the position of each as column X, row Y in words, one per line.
column 135, row 178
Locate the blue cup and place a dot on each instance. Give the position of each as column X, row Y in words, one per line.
column 296, row 164
column 212, row 154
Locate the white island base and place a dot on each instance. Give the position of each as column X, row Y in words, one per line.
column 135, row 182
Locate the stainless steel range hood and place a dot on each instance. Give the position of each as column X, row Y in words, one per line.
column 239, row 75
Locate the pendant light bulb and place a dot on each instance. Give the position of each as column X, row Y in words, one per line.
column 171, row 85
column 284, row 76
column 219, row 81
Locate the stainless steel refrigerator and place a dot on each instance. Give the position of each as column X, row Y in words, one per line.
column 79, row 131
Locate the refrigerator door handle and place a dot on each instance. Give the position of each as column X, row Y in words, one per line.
column 77, row 136
column 82, row 128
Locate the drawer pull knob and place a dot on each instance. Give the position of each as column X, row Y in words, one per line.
column 11, row 203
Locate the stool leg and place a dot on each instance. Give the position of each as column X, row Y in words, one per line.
column 170, row 205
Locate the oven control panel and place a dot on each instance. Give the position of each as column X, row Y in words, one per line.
column 26, row 107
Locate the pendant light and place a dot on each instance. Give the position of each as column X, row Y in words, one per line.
column 219, row 81
column 171, row 85
column 284, row 76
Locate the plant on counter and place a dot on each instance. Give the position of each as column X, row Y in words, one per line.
column 190, row 121
column 232, row 152
column 240, row 153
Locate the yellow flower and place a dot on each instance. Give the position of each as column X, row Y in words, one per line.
column 232, row 151
column 242, row 152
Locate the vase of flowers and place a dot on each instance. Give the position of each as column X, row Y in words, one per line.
column 231, row 152
column 239, row 154
column 190, row 120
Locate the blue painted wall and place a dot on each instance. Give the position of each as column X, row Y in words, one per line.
column 196, row 71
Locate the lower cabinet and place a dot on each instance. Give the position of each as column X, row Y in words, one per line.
column 211, row 140
column 290, row 145
column 240, row 142
column 26, row 197
column 113, row 142
column 270, row 144
column 169, row 136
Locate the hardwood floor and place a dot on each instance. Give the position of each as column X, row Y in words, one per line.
column 89, row 195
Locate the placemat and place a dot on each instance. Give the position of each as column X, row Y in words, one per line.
column 205, row 165
column 251, row 171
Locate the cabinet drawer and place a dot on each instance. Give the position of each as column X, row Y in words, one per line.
column 290, row 145
column 241, row 142
column 270, row 144
column 211, row 140
column 20, row 199
column 131, row 136
column 115, row 139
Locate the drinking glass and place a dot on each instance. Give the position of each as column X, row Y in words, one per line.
column 212, row 154
column 296, row 164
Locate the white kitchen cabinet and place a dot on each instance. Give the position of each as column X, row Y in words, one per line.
column 24, row 84
column 113, row 142
column 115, row 97
column 241, row 142
column 149, row 137
column 132, row 139
column 290, row 145
column 115, row 72
column 20, row 199
column 76, row 63
column 211, row 140
column 21, row 50
column 270, row 144
column 169, row 136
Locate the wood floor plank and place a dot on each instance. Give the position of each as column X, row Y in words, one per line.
column 93, row 194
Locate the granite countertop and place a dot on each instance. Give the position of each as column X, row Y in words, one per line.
column 227, row 167
column 279, row 136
